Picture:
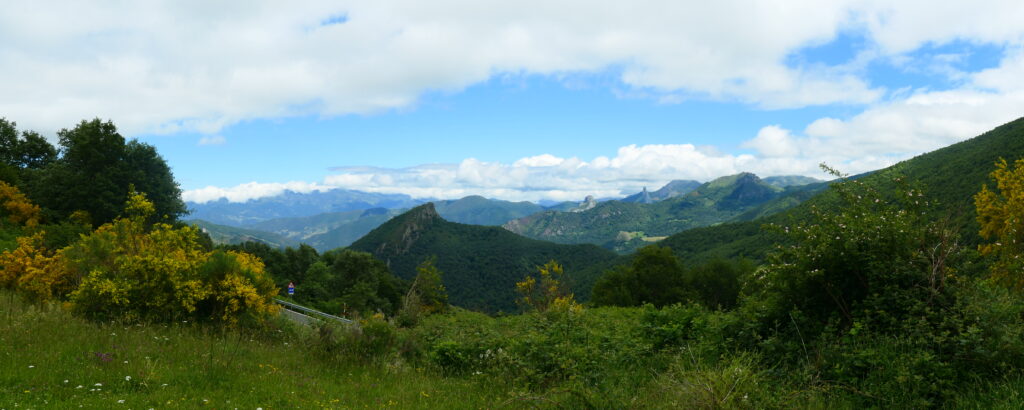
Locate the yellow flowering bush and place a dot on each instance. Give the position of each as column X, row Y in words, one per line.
column 131, row 271
column 32, row 270
column 18, row 208
column 547, row 293
column 1001, row 216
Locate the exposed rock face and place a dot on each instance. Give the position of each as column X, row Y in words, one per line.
column 413, row 223
column 588, row 204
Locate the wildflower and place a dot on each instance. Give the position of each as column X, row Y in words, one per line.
column 98, row 384
column 79, row 386
column 127, row 378
column 120, row 401
column 65, row 380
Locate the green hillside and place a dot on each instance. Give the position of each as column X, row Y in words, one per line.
column 625, row 226
column 223, row 234
column 480, row 264
column 329, row 230
column 951, row 175
column 477, row 210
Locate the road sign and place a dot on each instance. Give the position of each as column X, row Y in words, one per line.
column 291, row 288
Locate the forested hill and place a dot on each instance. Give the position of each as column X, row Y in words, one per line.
column 624, row 226
column 477, row 210
column 481, row 264
column 950, row 176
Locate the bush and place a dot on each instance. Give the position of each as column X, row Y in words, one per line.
column 163, row 273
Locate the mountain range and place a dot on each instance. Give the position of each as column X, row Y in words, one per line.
column 949, row 176
column 294, row 204
column 325, row 231
column 650, row 216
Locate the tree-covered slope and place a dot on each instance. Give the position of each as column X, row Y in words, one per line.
column 950, row 176
column 481, row 264
column 223, row 234
column 624, row 226
column 477, row 210
column 784, row 181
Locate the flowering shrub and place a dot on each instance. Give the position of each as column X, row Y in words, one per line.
column 33, row 270
column 17, row 207
column 162, row 273
column 1001, row 216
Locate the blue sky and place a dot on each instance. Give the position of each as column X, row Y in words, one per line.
column 537, row 100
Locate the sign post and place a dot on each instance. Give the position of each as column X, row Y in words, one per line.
column 291, row 288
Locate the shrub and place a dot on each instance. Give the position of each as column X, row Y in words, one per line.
column 129, row 272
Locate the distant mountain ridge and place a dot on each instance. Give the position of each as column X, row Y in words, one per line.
column 624, row 226
column 293, row 204
column 672, row 189
column 327, row 231
column 223, row 234
column 293, row 218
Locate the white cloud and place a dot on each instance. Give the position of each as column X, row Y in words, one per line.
column 918, row 122
column 251, row 190
column 773, row 141
column 168, row 66
column 213, row 140
column 534, row 178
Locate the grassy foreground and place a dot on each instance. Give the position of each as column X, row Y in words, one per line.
column 50, row 359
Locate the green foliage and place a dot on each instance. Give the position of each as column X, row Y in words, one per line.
column 426, row 294
column 656, row 276
column 29, row 151
column 871, row 256
column 96, row 170
column 370, row 340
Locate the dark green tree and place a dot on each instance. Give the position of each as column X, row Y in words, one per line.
column 20, row 158
column 97, row 169
column 428, row 287
column 364, row 284
column 655, row 276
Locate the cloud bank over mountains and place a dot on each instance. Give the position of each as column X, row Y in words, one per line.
column 539, row 177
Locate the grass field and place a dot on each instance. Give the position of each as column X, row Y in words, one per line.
column 52, row 360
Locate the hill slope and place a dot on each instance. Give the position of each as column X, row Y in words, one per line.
column 950, row 175
column 223, row 234
column 624, row 226
column 477, row 210
column 481, row 264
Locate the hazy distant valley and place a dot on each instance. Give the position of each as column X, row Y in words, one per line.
column 336, row 218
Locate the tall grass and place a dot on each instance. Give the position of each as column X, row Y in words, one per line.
column 49, row 359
